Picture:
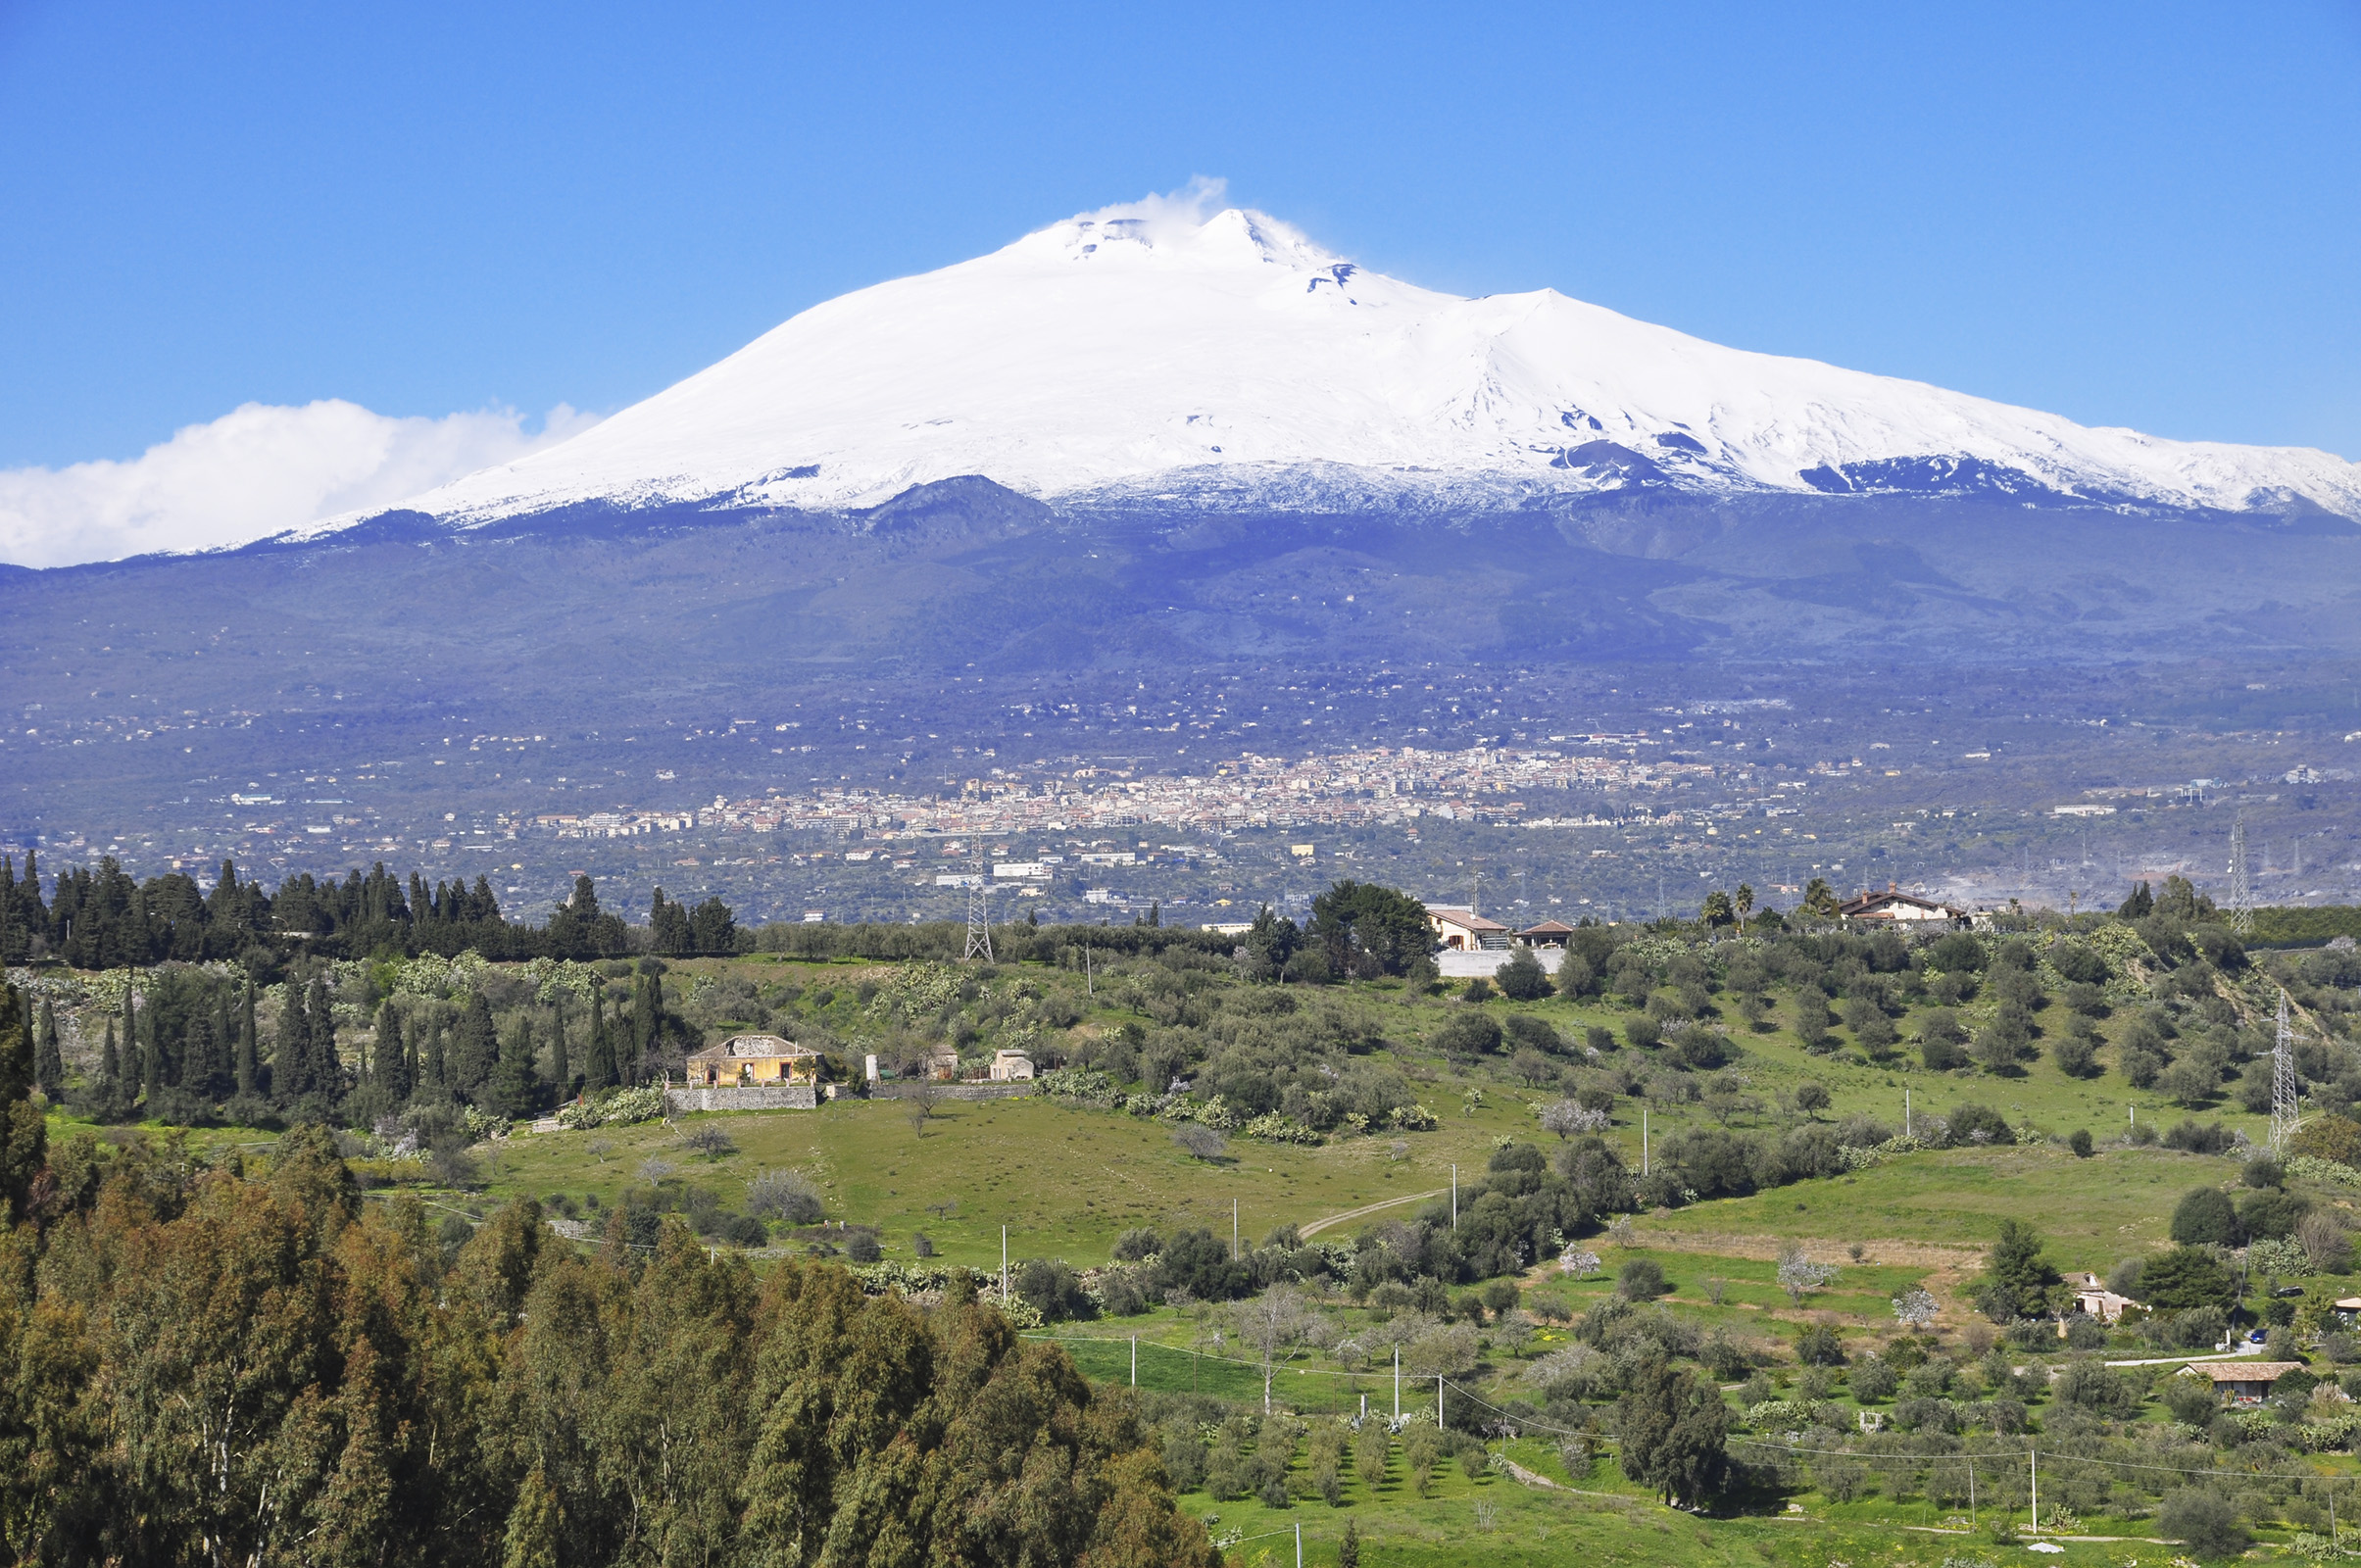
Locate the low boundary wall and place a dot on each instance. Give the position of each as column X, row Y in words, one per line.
column 734, row 1096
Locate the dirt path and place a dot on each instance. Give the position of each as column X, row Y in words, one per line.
column 1319, row 1225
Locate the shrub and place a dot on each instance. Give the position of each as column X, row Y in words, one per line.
column 2076, row 1055
column 1818, row 1346
column 1469, row 1033
column 1478, row 990
column 785, row 1195
column 1873, row 1379
column 2204, row 1522
column 1641, row 1280
column 1971, row 1123
column 1523, row 978
column 1600, row 1038
column 1137, row 1244
column 2078, row 963
column 1052, row 1289
column 2329, row 1138
column 1941, row 1055
column 1698, row 1048
column 861, row 1246
column 2205, row 1218
column 1642, row 1031
column 2079, row 1143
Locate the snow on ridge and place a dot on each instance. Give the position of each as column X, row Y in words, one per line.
column 1149, row 348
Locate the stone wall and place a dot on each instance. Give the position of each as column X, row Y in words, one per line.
column 732, row 1097
column 981, row 1091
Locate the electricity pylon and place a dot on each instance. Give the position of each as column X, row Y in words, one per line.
column 2283, row 1084
column 2241, row 887
column 979, row 927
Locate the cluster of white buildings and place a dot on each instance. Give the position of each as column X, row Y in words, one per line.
column 1385, row 785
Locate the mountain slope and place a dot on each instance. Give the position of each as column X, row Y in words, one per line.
column 1233, row 363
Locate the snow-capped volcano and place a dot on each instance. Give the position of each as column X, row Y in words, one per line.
column 1147, row 353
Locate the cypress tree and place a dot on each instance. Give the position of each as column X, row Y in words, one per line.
column 48, row 1064
column 437, row 1075
column 110, row 1073
column 390, row 1059
column 598, row 1064
column 512, row 1085
column 410, row 1061
column 476, row 1051
column 248, row 1070
column 561, row 1072
column 326, row 1067
column 291, row 1057
column 151, row 1061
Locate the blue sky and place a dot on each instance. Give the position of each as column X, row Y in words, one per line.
column 2139, row 215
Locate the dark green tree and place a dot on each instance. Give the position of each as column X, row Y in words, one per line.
column 48, row 1062
column 23, row 1131
column 712, row 928
column 514, row 1088
column 2184, row 1278
column 474, row 1049
column 1673, row 1428
column 249, row 1065
column 390, row 1062
column 2205, row 1217
column 1523, row 978
column 560, row 1071
column 1369, row 929
column 2017, row 1277
column 598, row 1059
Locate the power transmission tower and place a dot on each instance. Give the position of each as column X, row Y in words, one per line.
column 979, row 927
column 2242, row 889
column 2283, row 1084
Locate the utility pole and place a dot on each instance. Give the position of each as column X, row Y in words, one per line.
column 1398, row 1385
column 2283, row 1084
column 1233, row 1230
column 1298, row 1543
column 1004, row 1265
column 1439, row 1402
column 1455, row 1198
column 1135, row 1360
column 1643, row 1139
column 2032, row 1464
column 1906, row 1111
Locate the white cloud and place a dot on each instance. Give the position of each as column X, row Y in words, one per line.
column 1172, row 213
column 257, row 470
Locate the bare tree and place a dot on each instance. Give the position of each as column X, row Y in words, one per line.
column 1273, row 1323
column 1201, row 1141
column 919, row 1103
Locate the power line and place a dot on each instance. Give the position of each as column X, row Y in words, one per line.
column 2242, row 889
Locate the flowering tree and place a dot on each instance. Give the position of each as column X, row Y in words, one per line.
column 1799, row 1276
column 1915, row 1308
column 1566, row 1117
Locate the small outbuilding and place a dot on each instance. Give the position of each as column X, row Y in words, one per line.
column 1548, row 934
column 2092, row 1296
column 1010, row 1066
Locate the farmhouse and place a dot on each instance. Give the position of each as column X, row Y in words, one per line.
column 2092, row 1296
column 1010, row 1066
column 1464, row 930
column 753, row 1060
column 1894, row 907
column 2240, row 1383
